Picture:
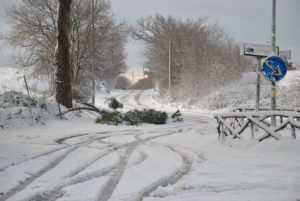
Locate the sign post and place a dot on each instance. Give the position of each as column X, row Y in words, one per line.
column 258, row 50
column 258, row 69
column 274, row 68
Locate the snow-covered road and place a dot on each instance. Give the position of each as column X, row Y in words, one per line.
column 147, row 99
column 77, row 160
column 110, row 165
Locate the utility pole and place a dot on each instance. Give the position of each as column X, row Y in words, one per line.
column 132, row 77
column 258, row 69
column 93, row 51
column 274, row 25
column 273, row 90
column 169, row 67
column 144, row 81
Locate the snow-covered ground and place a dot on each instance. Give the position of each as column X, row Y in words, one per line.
column 78, row 160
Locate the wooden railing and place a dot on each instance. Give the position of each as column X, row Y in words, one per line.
column 234, row 124
column 264, row 108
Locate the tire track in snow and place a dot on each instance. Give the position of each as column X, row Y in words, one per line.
column 80, row 169
column 62, row 140
column 126, row 100
column 56, row 193
column 188, row 161
column 174, row 178
column 143, row 157
column 100, row 139
column 48, row 195
column 100, row 156
column 117, row 171
column 124, row 159
column 31, row 179
column 137, row 100
column 32, row 158
column 49, row 167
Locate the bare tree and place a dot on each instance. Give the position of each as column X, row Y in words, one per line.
column 63, row 73
column 203, row 56
column 34, row 24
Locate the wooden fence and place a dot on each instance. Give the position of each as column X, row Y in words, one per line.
column 235, row 123
column 251, row 109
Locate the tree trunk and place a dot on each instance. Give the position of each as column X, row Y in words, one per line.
column 63, row 83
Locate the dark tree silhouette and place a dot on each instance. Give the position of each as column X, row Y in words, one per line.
column 63, row 74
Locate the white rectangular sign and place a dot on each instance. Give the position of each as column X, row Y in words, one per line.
column 287, row 54
column 257, row 49
column 251, row 78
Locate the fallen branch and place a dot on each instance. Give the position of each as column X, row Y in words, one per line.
column 93, row 107
column 89, row 108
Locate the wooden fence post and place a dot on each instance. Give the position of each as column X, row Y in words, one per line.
column 222, row 137
column 59, row 110
column 293, row 131
column 252, row 131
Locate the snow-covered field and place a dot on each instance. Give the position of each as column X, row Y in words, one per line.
column 78, row 160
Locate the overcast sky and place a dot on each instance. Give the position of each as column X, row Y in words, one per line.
column 244, row 20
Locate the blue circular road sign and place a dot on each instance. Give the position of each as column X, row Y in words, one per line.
column 274, row 68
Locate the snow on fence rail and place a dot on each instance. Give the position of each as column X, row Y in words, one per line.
column 244, row 109
column 235, row 123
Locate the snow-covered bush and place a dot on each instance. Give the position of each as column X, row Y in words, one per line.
column 110, row 118
column 15, row 99
column 17, row 108
column 177, row 116
column 133, row 117
column 152, row 116
column 114, row 104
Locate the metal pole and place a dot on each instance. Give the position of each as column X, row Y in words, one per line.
column 274, row 25
column 258, row 69
column 144, row 82
column 273, row 90
column 169, row 68
column 132, row 77
column 93, row 52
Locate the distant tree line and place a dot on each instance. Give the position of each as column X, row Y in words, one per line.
column 203, row 57
column 34, row 29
